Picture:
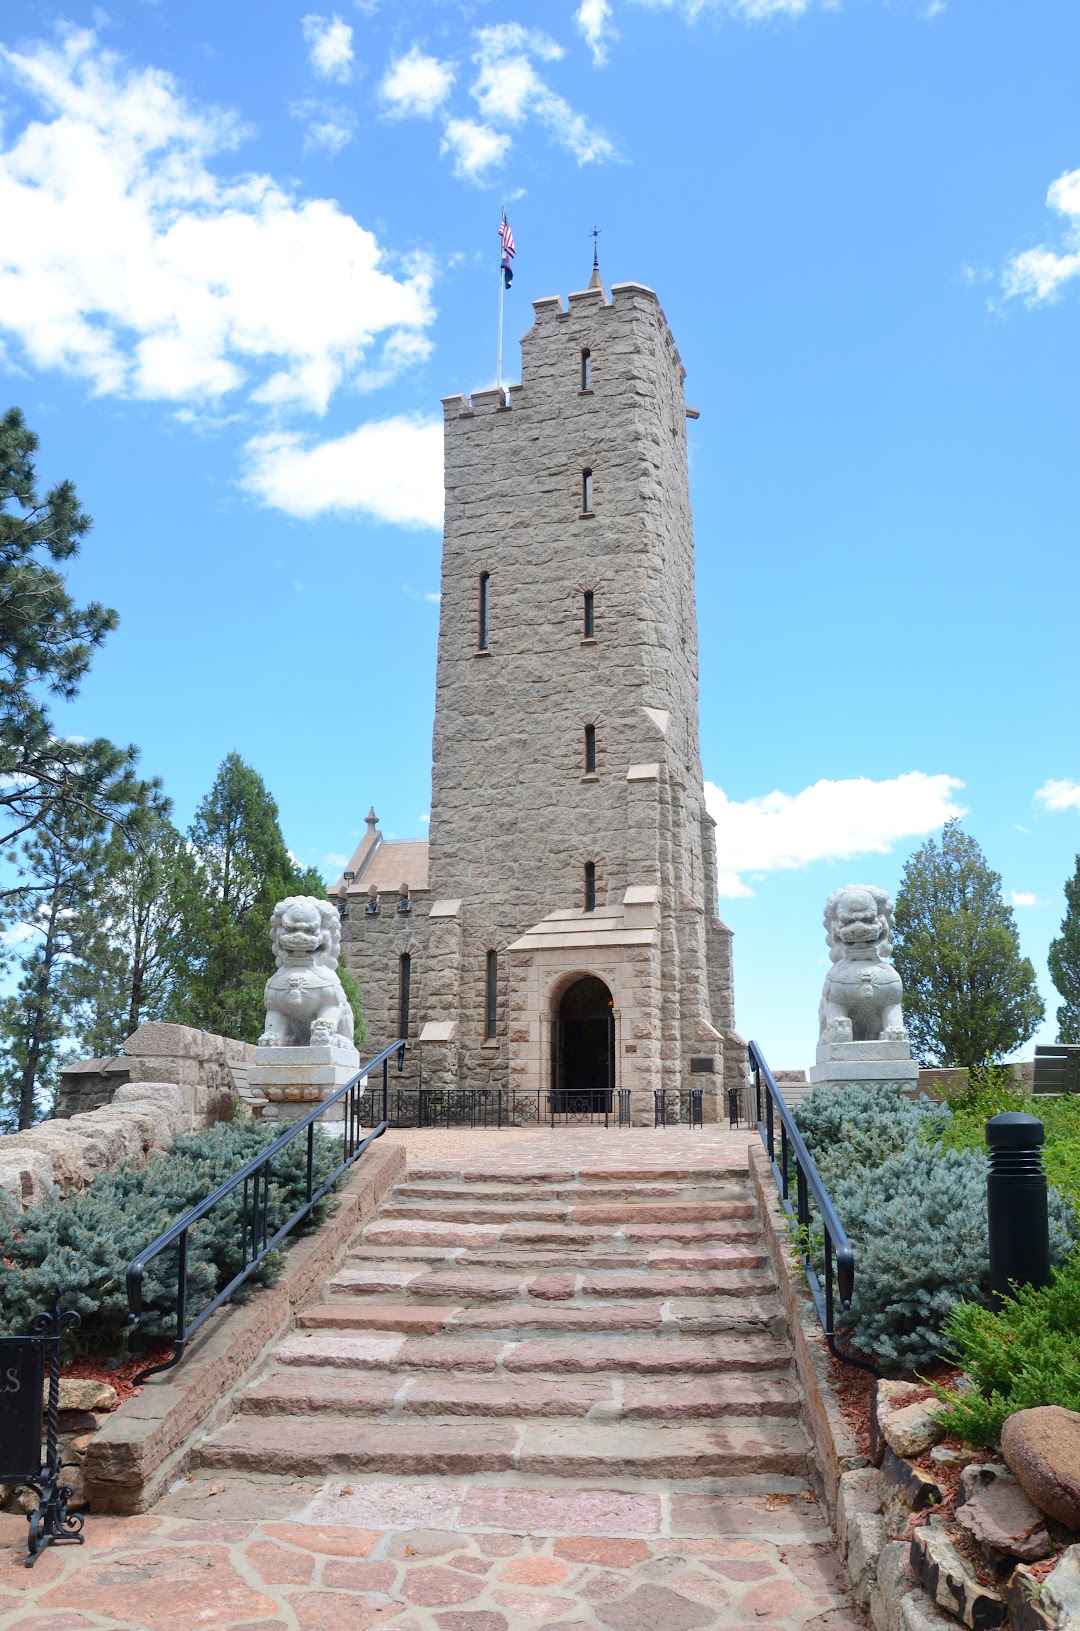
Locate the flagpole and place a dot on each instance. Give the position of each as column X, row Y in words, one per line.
column 502, row 288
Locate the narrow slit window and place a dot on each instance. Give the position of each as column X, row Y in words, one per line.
column 590, row 886
column 404, row 993
column 586, row 370
column 590, row 749
column 590, row 615
column 491, row 996
column 485, row 581
column 586, row 490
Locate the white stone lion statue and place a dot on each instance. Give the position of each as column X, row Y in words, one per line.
column 306, row 1005
column 861, row 999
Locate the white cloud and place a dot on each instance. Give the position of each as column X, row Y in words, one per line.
column 508, row 89
column 751, row 10
column 338, row 861
column 593, row 18
column 1059, row 795
column 390, row 469
column 425, row 818
column 139, row 268
column 426, row 597
column 832, row 820
column 416, row 84
column 327, row 125
column 1038, row 274
column 329, row 42
column 475, row 148
column 1024, row 897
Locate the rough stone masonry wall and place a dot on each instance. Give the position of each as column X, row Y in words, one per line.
column 178, row 1081
column 514, row 814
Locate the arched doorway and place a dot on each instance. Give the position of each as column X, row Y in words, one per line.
column 584, row 1052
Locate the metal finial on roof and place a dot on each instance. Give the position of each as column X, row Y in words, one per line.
column 594, row 281
column 371, row 818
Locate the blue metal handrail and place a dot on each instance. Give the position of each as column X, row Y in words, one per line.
column 255, row 1177
column 770, row 1108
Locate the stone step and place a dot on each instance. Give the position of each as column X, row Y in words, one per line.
column 484, row 1236
column 464, row 1210
column 614, row 1170
column 739, row 1275
column 628, row 1355
column 717, row 1313
column 311, row 1390
column 576, row 1194
column 322, row 1444
column 540, row 1257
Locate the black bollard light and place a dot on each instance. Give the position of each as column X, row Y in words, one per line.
column 1019, row 1227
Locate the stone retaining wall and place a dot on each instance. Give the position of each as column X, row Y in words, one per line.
column 174, row 1080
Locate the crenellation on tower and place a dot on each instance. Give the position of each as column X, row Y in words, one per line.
column 566, row 770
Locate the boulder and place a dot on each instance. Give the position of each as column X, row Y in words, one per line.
column 885, row 1398
column 26, row 1177
column 911, row 1428
column 1042, row 1447
column 84, row 1393
column 913, row 1486
column 164, row 1101
column 994, row 1508
column 939, row 1567
column 1062, row 1588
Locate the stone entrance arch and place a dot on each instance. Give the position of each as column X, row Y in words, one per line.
column 583, row 1053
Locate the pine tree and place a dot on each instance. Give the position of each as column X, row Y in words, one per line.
column 238, row 843
column 46, row 644
column 969, row 995
column 134, row 931
column 62, row 865
column 1064, row 961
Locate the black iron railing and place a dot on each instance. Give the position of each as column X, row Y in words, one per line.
column 678, row 1106
column 256, row 1178
column 484, row 1107
column 771, row 1110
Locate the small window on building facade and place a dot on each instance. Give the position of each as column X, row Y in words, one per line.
column 590, row 615
column 491, row 996
column 590, row 749
column 404, row 985
column 586, row 370
column 586, row 490
column 485, row 580
column 590, row 886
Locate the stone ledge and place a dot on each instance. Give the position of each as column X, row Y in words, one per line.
column 148, row 1441
column 834, row 1444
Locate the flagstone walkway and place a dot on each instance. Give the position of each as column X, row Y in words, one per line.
column 578, row 1518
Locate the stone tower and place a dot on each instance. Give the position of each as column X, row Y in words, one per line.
column 563, row 934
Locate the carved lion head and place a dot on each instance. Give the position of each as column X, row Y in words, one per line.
column 858, row 914
column 303, row 926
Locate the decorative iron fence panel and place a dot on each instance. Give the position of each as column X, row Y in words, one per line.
column 678, row 1106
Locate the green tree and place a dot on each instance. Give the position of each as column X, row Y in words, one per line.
column 969, row 995
column 135, row 931
column 64, row 860
column 46, row 644
column 237, row 840
column 1064, row 961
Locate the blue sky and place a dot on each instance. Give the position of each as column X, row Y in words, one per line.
column 246, row 248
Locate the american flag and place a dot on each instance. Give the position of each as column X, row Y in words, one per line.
column 508, row 251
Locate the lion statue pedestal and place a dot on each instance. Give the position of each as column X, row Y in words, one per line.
column 862, row 1037
column 306, row 1049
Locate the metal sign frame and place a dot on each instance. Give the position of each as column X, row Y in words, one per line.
column 51, row 1521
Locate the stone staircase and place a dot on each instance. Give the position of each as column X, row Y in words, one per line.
column 529, row 1325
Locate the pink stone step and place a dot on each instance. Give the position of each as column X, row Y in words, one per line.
column 698, row 1398
column 299, row 1392
column 562, row 1451
column 718, row 1313
column 679, row 1356
column 665, row 1212
column 365, row 1314
column 317, row 1445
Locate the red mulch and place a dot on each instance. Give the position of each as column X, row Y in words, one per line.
column 122, row 1377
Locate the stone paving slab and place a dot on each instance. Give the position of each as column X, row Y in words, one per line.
column 314, row 1556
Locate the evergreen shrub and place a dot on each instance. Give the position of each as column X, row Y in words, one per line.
column 1025, row 1354
column 82, row 1245
column 918, row 1225
column 911, row 1192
